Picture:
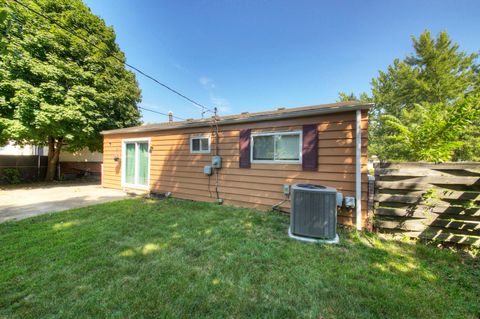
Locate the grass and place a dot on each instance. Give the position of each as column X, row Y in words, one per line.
column 144, row 258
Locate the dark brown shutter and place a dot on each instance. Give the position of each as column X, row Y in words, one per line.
column 245, row 148
column 310, row 147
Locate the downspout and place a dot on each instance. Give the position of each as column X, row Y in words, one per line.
column 358, row 171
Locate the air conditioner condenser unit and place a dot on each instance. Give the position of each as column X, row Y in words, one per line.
column 313, row 215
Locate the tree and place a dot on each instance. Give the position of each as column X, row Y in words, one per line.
column 430, row 132
column 419, row 95
column 363, row 97
column 58, row 90
column 5, row 27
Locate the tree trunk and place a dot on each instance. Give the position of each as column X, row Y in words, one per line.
column 54, row 147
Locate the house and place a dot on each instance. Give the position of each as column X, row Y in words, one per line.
column 12, row 149
column 80, row 163
column 259, row 153
column 31, row 161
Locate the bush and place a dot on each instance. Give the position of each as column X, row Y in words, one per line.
column 431, row 132
column 11, row 175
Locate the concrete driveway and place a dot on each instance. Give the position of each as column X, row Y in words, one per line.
column 20, row 203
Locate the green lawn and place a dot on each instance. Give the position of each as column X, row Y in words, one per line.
column 145, row 258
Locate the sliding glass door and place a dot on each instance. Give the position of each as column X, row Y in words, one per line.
column 135, row 173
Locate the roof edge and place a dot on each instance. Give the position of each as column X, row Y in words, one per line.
column 254, row 118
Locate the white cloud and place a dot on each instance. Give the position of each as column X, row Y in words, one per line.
column 207, row 83
column 222, row 104
column 181, row 67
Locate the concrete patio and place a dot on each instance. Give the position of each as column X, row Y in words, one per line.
column 33, row 200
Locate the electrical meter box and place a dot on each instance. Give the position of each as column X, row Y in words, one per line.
column 207, row 170
column 339, row 199
column 349, row 202
column 216, row 161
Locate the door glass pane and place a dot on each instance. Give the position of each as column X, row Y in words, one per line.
column 263, row 147
column 287, row 147
column 130, row 163
column 143, row 164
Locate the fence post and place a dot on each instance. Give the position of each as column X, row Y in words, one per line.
column 370, row 203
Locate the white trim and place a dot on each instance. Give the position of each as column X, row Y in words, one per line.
column 336, row 240
column 358, row 170
column 125, row 141
column 199, row 137
column 274, row 161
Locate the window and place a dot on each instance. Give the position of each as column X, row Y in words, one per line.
column 200, row 144
column 284, row 147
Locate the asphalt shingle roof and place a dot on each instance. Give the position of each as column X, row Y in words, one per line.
column 246, row 117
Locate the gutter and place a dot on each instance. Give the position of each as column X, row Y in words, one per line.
column 358, row 170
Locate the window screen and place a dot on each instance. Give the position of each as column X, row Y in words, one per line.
column 281, row 147
column 196, row 145
column 200, row 144
column 287, row 147
column 263, row 147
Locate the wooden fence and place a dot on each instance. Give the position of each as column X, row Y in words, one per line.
column 438, row 202
column 30, row 167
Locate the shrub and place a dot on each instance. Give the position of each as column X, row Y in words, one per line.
column 11, row 175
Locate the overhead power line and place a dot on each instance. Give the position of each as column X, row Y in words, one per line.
column 202, row 107
column 143, row 108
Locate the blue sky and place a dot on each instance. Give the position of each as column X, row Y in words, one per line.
column 259, row 55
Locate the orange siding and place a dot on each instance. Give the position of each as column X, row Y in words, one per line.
column 174, row 169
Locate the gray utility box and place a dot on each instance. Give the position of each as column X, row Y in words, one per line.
column 313, row 211
column 217, row 161
column 207, row 170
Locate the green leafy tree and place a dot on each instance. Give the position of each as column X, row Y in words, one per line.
column 363, row 97
column 421, row 95
column 4, row 26
column 437, row 72
column 56, row 89
column 430, row 132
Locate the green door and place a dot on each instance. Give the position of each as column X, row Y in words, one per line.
column 142, row 178
column 136, row 163
column 130, row 163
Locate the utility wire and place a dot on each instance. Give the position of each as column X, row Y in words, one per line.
column 150, row 110
column 202, row 107
column 143, row 108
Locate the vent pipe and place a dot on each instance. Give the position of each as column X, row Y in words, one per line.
column 170, row 116
column 358, row 171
